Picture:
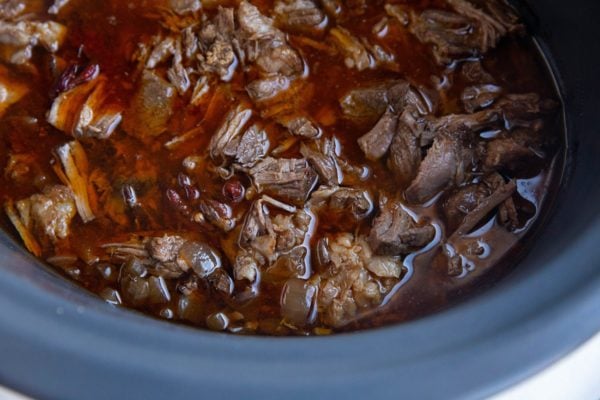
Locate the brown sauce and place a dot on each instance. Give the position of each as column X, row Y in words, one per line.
column 107, row 33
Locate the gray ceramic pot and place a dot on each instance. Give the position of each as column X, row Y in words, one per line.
column 58, row 342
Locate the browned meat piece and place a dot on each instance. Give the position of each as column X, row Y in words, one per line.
column 497, row 192
column 521, row 110
column 23, row 34
column 497, row 18
column 446, row 164
column 480, row 96
column 288, row 179
column 224, row 141
column 49, row 213
column 462, row 201
column 216, row 41
column 405, row 151
column 354, row 280
column 266, row 45
column 301, row 15
column 508, row 154
column 151, row 107
column 165, row 248
column 355, row 53
column 473, row 72
column 370, row 102
column 357, row 201
column 255, row 24
column 429, row 127
column 219, row 59
column 394, row 232
column 323, row 158
column 177, row 73
column 167, row 256
column 280, row 60
column 301, row 126
column 376, row 143
column 267, row 88
column 343, row 199
column 250, row 148
column 469, row 31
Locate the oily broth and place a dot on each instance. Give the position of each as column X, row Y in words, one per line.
column 108, row 33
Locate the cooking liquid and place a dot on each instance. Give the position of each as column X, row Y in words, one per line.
column 108, row 32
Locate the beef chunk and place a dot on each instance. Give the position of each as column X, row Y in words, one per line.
column 266, row 45
column 248, row 149
column 370, row 102
column 506, row 153
column 216, row 42
column 267, row 88
column 49, row 213
column 301, row 126
column 429, row 127
column 522, row 110
column 151, row 107
column 300, row 15
column 469, row 30
column 462, row 201
column 28, row 34
column 282, row 60
column 480, row 201
column 343, row 199
column 405, row 151
column 357, row 201
column 376, row 143
column 394, row 232
column 224, row 141
column 165, row 248
column 289, row 179
column 473, row 72
column 445, row 165
column 480, row 96
column 323, row 158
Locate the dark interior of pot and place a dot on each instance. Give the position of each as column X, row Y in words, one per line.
column 59, row 341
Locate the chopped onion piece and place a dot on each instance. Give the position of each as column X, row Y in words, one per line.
column 297, row 302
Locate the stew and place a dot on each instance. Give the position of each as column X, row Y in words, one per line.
column 279, row 167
